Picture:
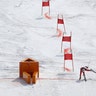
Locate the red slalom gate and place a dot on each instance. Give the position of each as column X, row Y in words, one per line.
column 68, row 56
column 60, row 21
column 66, row 39
column 45, row 4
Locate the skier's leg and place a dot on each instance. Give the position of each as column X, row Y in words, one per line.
column 84, row 76
column 80, row 74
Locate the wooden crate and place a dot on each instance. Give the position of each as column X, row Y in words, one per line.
column 28, row 65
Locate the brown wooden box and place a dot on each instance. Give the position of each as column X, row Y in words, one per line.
column 28, row 65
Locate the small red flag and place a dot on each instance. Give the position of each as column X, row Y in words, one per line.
column 66, row 38
column 68, row 57
column 60, row 21
column 45, row 3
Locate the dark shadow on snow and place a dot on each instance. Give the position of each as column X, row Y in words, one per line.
column 21, row 81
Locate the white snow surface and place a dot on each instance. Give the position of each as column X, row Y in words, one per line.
column 24, row 33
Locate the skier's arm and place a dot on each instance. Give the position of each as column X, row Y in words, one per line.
column 92, row 70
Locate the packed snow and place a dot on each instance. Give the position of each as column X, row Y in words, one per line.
column 25, row 33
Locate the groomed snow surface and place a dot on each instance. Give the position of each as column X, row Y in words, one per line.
column 24, row 33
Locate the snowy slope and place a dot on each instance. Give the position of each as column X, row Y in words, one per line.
column 25, row 33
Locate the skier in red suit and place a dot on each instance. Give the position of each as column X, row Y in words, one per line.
column 82, row 71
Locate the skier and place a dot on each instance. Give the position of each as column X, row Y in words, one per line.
column 82, row 71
